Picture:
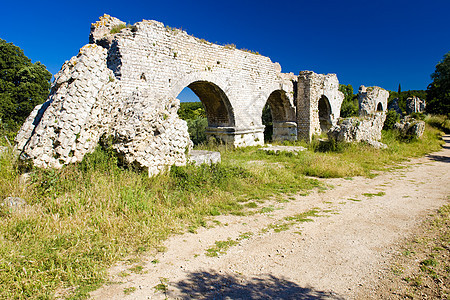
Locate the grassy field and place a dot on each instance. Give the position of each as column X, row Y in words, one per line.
column 81, row 219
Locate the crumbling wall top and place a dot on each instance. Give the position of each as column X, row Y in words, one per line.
column 372, row 100
column 101, row 30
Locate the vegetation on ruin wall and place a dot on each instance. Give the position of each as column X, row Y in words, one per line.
column 81, row 219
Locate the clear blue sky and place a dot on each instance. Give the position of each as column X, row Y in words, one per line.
column 378, row 42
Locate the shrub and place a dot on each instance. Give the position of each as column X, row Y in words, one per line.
column 117, row 28
column 196, row 129
column 391, row 118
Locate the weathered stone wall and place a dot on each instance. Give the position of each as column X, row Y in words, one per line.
column 234, row 85
column 415, row 105
column 367, row 127
column 124, row 85
column 81, row 107
column 372, row 100
column 410, row 128
column 86, row 103
column 318, row 103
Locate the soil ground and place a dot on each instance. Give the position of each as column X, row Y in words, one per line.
column 344, row 249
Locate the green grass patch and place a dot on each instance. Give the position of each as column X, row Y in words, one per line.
column 370, row 195
column 245, row 235
column 303, row 217
column 162, row 286
column 354, row 200
column 129, row 290
column 251, row 205
column 440, row 122
column 137, row 269
column 220, row 247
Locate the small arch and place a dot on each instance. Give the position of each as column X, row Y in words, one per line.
column 324, row 113
column 278, row 117
column 379, row 107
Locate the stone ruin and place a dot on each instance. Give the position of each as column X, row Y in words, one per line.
column 86, row 103
column 123, row 87
column 318, row 103
column 367, row 127
column 415, row 105
column 410, row 128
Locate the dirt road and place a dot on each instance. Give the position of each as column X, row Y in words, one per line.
column 361, row 222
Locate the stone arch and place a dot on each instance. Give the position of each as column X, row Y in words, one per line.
column 282, row 116
column 324, row 108
column 379, row 107
column 212, row 93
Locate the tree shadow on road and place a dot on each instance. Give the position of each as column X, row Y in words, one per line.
column 212, row 285
column 441, row 158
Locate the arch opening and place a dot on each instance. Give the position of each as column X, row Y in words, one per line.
column 324, row 114
column 379, row 107
column 203, row 106
column 278, row 117
column 217, row 106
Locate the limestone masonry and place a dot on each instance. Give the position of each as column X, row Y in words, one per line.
column 372, row 114
column 122, row 87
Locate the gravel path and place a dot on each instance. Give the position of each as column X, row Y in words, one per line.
column 333, row 256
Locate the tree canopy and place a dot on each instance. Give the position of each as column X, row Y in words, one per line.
column 438, row 92
column 23, row 85
column 350, row 105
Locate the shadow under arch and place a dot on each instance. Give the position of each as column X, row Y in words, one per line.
column 212, row 93
column 324, row 113
column 219, row 111
column 279, row 117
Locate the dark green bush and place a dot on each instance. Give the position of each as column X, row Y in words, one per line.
column 391, row 118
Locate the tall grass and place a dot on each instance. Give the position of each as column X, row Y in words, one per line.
column 82, row 218
column 441, row 122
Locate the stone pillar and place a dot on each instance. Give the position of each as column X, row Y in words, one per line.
column 303, row 113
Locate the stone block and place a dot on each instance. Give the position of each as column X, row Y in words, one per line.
column 199, row 157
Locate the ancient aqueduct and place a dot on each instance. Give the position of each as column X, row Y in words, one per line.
column 124, row 85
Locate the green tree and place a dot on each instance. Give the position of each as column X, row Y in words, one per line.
column 23, row 85
column 191, row 110
column 438, row 92
column 196, row 129
column 195, row 115
column 350, row 105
